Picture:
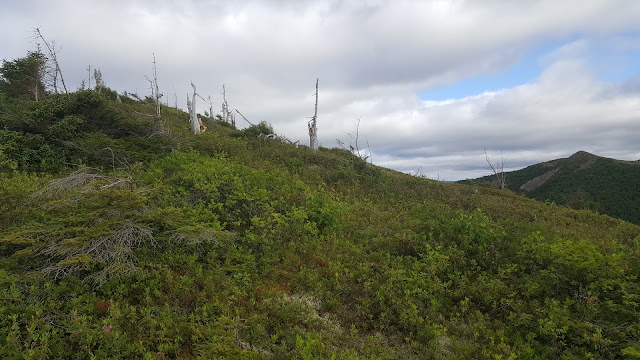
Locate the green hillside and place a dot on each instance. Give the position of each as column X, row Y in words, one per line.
column 583, row 181
column 123, row 236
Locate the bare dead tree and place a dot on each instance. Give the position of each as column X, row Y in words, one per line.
column 197, row 125
column 354, row 143
column 498, row 170
column 155, row 84
column 189, row 107
column 53, row 57
column 155, row 90
column 311, row 125
column 355, row 138
column 89, row 81
column 225, row 106
column 193, row 116
column 175, row 98
column 210, row 108
column 227, row 114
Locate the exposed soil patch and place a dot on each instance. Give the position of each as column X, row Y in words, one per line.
column 538, row 181
column 588, row 163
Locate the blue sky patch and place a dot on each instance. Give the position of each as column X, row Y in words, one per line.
column 611, row 62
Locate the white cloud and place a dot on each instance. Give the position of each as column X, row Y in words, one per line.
column 563, row 111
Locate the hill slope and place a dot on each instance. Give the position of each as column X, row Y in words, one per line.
column 125, row 237
column 583, row 181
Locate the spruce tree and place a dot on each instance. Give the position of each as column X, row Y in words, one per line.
column 23, row 78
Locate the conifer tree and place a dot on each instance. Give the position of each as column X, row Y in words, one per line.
column 23, row 78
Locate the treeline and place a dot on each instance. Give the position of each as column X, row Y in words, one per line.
column 584, row 181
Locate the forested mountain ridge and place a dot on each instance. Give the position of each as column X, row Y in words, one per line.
column 126, row 236
column 582, row 181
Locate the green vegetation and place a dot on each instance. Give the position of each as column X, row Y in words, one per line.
column 584, row 181
column 263, row 128
column 23, row 78
column 121, row 239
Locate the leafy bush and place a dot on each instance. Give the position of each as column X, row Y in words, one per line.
column 262, row 128
column 67, row 128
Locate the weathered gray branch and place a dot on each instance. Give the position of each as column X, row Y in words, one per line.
column 245, row 119
column 51, row 48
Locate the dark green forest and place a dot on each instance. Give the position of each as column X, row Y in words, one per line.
column 125, row 236
column 584, row 181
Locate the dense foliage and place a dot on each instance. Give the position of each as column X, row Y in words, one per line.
column 585, row 181
column 263, row 128
column 24, row 78
column 120, row 239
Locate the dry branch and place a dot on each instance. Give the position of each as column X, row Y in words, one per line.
column 113, row 252
column 244, row 117
column 498, row 170
column 53, row 56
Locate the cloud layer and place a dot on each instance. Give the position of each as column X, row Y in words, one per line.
column 373, row 58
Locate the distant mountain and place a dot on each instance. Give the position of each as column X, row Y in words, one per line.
column 582, row 181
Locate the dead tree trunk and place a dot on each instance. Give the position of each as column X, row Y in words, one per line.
column 156, row 89
column 210, row 109
column 227, row 114
column 89, row 82
column 36, row 91
column 155, row 93
column 225, row 117
column 38, row 76
column 244, row 117
column 195, row 123
column 175, row 98
column 313, row 130
column 189, row 107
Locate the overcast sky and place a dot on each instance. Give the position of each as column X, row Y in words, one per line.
column 432, row 82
